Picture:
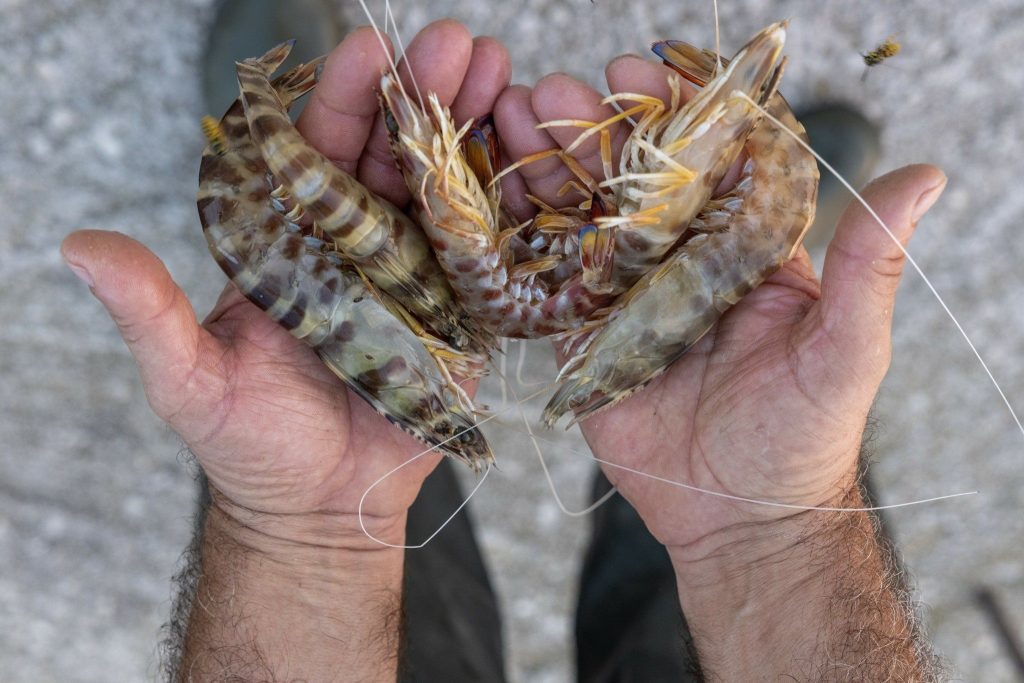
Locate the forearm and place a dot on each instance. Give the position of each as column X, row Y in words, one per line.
column 269, row 609
column 816, row 597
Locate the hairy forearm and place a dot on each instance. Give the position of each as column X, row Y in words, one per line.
column 818, row 597
column 270, row 609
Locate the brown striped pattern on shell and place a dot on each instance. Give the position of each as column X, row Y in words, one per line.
column 308, row 290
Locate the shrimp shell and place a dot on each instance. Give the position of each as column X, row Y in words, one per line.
column 371, row 232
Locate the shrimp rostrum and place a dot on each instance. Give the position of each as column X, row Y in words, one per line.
column 629, row 280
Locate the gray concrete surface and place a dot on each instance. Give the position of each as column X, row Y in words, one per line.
column 99, row 120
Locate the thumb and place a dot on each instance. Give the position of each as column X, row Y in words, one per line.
column 152, row 314
column 863, row 264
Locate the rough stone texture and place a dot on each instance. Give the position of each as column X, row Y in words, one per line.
column 100, row 129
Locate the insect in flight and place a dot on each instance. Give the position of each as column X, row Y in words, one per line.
column 888, row 48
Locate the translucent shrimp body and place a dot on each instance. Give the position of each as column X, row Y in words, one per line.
column 756, row 228
column 676, row 158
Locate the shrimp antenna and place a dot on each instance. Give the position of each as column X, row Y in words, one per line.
column 753, row 501
column 401, row 48
column 387, row 52
column 501, row 364
column 428, row 539
column 383, row 477
column 519, row 367
column 543, row 463
column 903, row 250
column 718, row 41
column 534, row 439
column 771, row 503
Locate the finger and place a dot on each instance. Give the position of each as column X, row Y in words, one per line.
column 516, row 123
column 863, row 265
column 340, row 114
column 151, row 312
column 798, row 276
column 489, row 72
column 632, row 73
column 513, row 192
column 229, row 297
column 439, row 58
column 559, row 97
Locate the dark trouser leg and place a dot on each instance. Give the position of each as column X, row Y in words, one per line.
column 248, row 28
column 452, row 627
column 629, row 626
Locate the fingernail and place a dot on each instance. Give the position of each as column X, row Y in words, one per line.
column 927, row 199
column 81, row 273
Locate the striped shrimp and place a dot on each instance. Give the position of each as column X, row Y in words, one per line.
column 363, row 335
column 741, row 237
column 470, row 239
column 375, row 235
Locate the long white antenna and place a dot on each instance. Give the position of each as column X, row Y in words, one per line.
column 387, row 52
column 544, row 465
column 790, row 506
column 401, row 49
column 718, row 42
column 429, row 538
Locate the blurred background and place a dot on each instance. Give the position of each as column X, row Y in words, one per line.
column 100, row 129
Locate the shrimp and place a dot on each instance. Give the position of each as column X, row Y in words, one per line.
column 471, row 239
column 359, row 332
column 375, row 235
column 743, row 237
column 676, row 156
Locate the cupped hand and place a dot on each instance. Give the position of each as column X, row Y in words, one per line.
column 771, row 404
column 277, row 434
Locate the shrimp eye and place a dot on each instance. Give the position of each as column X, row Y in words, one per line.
column 390, row 123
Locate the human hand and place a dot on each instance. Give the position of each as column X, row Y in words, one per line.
column 287, row 448
column 771, row 405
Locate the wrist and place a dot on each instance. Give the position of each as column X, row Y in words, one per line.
column 779, row 546
column 272, row 605
column 286, row 535
column 357, row 565
column 784, row 589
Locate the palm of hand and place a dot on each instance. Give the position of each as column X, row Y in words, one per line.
column 753, row 410
column 283, row 434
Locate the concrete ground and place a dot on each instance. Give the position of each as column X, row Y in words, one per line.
column 100, row 115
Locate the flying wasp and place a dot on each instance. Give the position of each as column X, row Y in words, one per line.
column 214, row 135
column 890, row 47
